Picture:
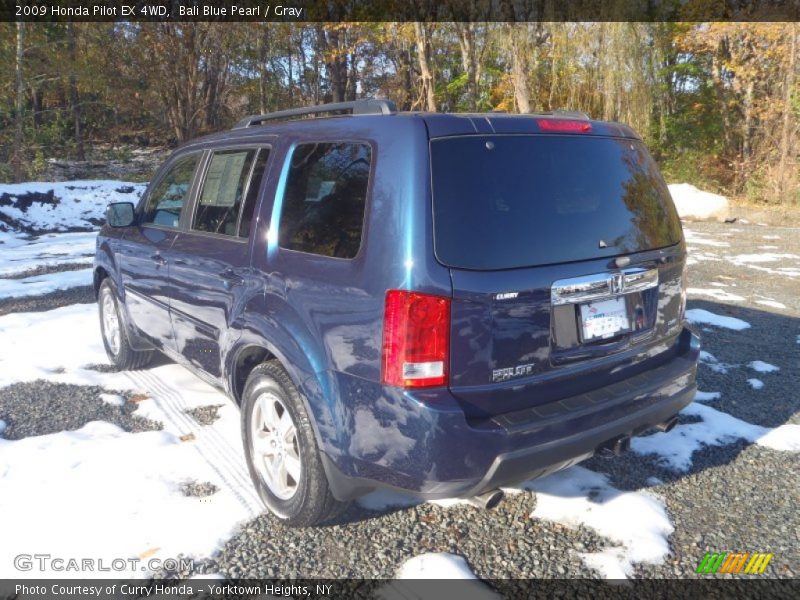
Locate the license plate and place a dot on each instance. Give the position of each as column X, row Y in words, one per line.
column 604, row 319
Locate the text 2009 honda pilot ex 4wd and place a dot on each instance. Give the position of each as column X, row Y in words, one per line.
column 436, row 303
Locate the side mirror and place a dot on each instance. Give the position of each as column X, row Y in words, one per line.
column 120, row 214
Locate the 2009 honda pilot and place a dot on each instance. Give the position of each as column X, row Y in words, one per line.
column 436, row 303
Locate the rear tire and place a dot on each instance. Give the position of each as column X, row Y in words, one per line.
column 281, row 449
column 116, row 338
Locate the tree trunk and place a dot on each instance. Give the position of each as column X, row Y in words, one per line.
column 16, row 159
column 38, row 106
column 262, row 46
column 466, row 41
column 786, row 131
column 747, row 122
column 519, row 65
column 719, row 91
column 422, row 36
column 74, row 98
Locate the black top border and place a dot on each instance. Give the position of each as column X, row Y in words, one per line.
column 398, row 10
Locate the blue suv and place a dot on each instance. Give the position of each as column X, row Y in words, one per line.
column 440, row 304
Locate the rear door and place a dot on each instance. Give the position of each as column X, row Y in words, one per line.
column 210, row 262
column 144, row 249
column 565, row 255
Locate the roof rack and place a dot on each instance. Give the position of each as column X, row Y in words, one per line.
column 367, row 106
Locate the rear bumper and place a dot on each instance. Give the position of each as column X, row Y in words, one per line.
column 423, row 445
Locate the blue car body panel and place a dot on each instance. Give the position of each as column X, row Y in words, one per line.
column 209, row 300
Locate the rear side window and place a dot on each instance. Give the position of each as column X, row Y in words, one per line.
column 231, row 183
column 514, row 201
column 167, row 198
column 326, row 192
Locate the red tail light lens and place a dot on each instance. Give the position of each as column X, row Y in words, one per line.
column 416, row 339
column 564, row 125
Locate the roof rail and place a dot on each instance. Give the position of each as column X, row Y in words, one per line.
column 367, row 106
column 572, row 114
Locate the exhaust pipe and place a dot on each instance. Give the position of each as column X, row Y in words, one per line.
column 668, row 425
column 616, row 446
column 487, row 500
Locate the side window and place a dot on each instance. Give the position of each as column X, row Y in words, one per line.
column 323, row 206
column 167, row 198
column 222, row 192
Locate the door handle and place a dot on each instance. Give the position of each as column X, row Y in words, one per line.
column 158, row 258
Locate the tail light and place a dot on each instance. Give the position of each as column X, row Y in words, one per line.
column 416, row 339
column 564, row 126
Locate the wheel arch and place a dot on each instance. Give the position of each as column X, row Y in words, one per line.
column 314, row 386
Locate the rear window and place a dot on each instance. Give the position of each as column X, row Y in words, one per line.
column 502, row 202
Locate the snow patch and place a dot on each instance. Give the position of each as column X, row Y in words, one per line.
column 692, row 237
column 763, row 367
column 756, row 384
column 113, row 399
column 717, row 294
column 693, row 203
column 706, row 396
column 699, row 315
column 675, row 448
column 771, row 303
column 59, row 206
column 18, row 253
column 38, row 285
column 436, row 565
column 94, row 470
column 636, row 521
column 761, row 258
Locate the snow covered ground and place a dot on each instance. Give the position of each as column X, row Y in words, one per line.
column 109, row 480
column 61, row 206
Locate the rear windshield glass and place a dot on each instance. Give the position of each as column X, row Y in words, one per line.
column 513, row 201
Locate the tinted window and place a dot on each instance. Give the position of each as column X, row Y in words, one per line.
column 167, row 198
column 252, row 193
column 323, row 206
column 223, row 191
column 513, row 201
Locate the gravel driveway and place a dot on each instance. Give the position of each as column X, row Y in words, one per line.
column 736, row 497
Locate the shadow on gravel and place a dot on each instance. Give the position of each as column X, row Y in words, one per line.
column 53, row 300
column 42, row 407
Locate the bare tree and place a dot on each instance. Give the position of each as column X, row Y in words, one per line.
column 422, row 35
column 16, row 159
column 74, row 98
column 786, row 130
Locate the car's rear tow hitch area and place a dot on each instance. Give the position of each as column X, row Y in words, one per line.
column 615, row 446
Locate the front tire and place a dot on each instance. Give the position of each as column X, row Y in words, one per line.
column 281, row 450
column 116, row 338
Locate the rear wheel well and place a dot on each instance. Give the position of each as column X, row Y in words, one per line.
column 99, row 275
column 248, row 359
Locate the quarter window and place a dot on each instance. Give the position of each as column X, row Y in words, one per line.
column 166, row 200
column 326, row 191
